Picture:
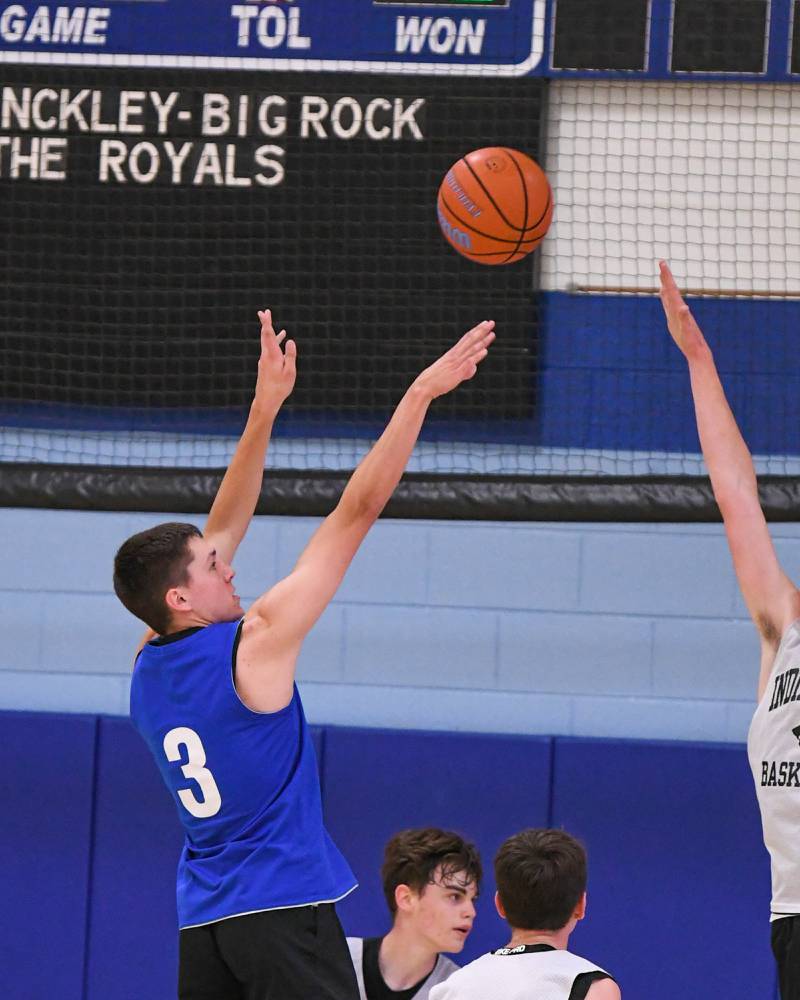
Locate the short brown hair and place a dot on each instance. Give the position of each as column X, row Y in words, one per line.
column 540, row 876
column 412, row 858
column 147, row 565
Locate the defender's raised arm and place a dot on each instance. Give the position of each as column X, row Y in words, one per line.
column 771, row 597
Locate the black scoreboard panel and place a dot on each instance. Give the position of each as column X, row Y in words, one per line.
column 134, row 263
column 610, row 35
column 796, row 39
column 724, row 36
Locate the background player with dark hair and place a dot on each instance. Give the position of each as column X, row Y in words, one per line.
column 774, row 604
column 541, row 892
column 431, row 878
column 215, row 700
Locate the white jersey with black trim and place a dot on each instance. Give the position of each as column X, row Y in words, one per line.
column 773, row 747
column 528, row 972
column 444, row 967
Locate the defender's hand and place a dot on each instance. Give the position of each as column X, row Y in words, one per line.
column 682, row 326
column 276, row 367
column 459, row 363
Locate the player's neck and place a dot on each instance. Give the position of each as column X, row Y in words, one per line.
column 404, row 959
column 557, row 939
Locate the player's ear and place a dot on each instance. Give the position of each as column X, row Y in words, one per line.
column 176, row 599
column 498, row 905
column 404, row 897
column 580, row 909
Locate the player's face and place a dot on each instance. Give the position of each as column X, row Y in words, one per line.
column 445, row 909
column 210, row 586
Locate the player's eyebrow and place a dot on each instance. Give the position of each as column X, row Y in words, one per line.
column 212, row 554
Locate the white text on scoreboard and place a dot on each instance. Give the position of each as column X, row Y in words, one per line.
column 177, row 137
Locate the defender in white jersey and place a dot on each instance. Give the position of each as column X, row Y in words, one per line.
column 431, row 878
column 773, row 601
column 541, row 892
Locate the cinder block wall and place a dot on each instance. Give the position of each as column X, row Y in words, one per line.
column 575, row 629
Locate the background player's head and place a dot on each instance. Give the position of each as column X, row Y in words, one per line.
column 430, row 880
column 170, row 577
column 541, row 880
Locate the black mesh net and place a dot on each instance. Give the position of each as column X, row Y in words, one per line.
column 148, row 213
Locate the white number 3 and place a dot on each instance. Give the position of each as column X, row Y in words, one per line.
column 211, row 802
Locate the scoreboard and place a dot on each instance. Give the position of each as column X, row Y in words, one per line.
column 169, row 166
column 654, row 39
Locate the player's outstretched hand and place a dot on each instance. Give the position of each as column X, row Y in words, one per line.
column 682, row 325
column 459, row 363
column 276, row 367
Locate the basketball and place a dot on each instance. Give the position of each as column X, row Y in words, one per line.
column 495, row 205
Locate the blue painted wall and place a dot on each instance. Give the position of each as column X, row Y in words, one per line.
column 91, row 857
column 611, row 378
column 577, row 629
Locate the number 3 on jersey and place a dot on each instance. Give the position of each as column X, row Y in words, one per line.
column 195, row 770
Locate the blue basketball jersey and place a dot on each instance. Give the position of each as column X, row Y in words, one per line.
column 245, row 784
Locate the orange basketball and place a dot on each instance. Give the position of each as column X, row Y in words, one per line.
column 495, row 205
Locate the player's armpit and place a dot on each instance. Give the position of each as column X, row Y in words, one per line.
column 604, row 989
column 771, row 597
column 265, row 667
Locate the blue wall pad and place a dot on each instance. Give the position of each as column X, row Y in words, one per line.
column 380, row 781
column 138, row 838
column 133, row 926
column 679, row 890
column 46, row 781
column 612, row 378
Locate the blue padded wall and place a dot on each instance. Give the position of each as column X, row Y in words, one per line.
column 679, row 890
column 46, row 784
column 678, row 876
column 377, row 782
column 137, row 842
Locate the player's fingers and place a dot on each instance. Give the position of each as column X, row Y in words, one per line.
column 481, row 346
column 475, row 334
column 290, row 355
column 280, row 337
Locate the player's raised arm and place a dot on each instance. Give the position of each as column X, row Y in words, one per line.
column 240, row 488
column 771, row 597
column 239, row 491
column 278, row 622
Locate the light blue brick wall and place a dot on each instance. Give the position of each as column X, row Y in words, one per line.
column 578, row 629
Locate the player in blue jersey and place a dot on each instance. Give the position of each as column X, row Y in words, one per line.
column 214, row 697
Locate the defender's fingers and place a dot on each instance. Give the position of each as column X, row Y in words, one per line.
column 668, row 283
column 280, row 337
column 290, row 355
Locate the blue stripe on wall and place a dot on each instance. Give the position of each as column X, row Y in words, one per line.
column 611, row 377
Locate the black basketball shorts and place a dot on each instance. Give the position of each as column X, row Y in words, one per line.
column 291, row 954
column 786, row 949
